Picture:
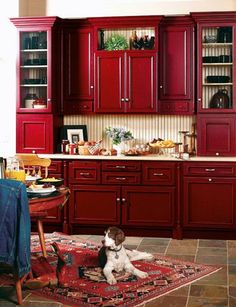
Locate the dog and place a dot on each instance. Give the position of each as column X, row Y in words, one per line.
column 113, row 256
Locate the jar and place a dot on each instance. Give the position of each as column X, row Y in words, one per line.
column 65, row 146
column 39, row 103
column 29, row 99
column 72, row 149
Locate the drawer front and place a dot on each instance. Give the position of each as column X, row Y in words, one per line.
column 121, row 178
column 121, row 166
column 208, row 169
column 84, row 172
column 158, row 173
column 55, row 167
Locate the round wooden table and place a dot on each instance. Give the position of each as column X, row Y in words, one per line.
column 39, row 207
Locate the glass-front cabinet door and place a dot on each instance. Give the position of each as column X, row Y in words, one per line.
column 216, row 69
column 34, row 92
column 37, row 54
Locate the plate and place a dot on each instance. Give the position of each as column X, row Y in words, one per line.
column 32, row 178
column 53, row 181
column 38, row 189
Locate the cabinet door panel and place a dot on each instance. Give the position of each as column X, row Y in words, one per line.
column 149, row 206
column 216, row 135
column 176, row 86
column 78, row 76
column 209, row 202
column 109, row 82
column 34, row 133
column 94, row 204
column 141, row 72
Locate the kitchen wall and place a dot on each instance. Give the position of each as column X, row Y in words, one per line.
column 143, row 127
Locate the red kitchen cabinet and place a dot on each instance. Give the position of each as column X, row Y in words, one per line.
column 94, row 205
column 37, row 133
column 38, row 84
column 77, row 67
column 176, row 66
column 209, row 202
column 216, row 135
column 209, row 198
column 148, row 206
column 132, row 88
column 216, row 73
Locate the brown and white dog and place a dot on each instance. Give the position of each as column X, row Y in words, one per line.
column 113, row 256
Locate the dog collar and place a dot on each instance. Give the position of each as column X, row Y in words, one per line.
column 116, row 251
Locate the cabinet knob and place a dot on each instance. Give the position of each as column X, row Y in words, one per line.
column 122, row 99
column 126, row 99
column 49, row 99
column 217, row 153
column 91, row 86
column 199, row 99
column 123, row 200
column 210, row 180
column 161, row 86
column 118, row 199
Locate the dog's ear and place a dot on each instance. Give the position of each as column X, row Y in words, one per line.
column 120, row 237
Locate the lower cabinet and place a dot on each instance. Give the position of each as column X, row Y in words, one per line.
column 116, row 205
column 129, row 194
column 209, row 199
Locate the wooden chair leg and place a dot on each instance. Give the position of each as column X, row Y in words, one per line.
column 41, row 237
column 19, row 291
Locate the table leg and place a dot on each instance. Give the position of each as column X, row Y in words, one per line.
column 41, row 237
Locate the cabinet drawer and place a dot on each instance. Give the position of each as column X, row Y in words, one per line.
column 84, row 172
column 209, row 169
column 55, row 167
column 121, row 166
column 121, row 178
column 158, row 173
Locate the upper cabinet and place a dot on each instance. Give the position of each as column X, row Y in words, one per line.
column 38, row 58
column 77, row 63
column 126, row 64
column 176, row 66
column 216, row 63
column 38, row 80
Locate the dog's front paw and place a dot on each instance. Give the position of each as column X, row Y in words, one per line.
column 111, row 280
column 143, row 275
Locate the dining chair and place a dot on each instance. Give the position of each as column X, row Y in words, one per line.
column 14, row 232
column 38, row 167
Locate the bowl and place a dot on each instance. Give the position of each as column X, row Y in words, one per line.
column 51, row 180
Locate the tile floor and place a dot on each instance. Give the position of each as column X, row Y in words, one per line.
column 218, row 289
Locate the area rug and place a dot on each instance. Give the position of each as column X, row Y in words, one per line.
column 86, row 286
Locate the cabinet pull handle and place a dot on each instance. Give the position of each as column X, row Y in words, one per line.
column 120, row 166
column 84, row 174
column 158, row 174
column 120, row 178
column 210, row 169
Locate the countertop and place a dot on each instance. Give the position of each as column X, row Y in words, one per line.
column 152, row 157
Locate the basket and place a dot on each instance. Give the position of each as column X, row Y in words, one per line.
column 87, row 150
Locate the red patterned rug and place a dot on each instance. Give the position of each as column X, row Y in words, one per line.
column 86, row 286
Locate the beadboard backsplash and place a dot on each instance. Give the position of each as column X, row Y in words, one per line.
column 143, row 127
